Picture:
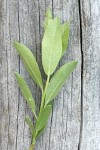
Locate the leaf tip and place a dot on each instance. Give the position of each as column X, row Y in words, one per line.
column 15, row 43
column 16, row 74
column 48, row 13
column 76, row 62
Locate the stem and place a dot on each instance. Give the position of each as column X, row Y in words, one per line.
column 32, row 145
column 35, row 115
column 43, row 95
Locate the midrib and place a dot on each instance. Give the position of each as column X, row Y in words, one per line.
column 51, row 52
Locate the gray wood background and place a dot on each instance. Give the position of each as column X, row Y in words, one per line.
column 75, row 119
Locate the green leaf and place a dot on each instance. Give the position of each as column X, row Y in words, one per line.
column 40, row 132
column 48, row 16
column 51, row 46
column 65, row 36
column 43, row 118
column 26, row 92
column 28, row 121
column 58, row 80
column 29, row 62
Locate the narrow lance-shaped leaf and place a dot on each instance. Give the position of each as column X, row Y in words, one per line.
column 65, row 36
column 51, row 46
column 58, row 80
column 48, row 16
column 43, row 118
column 26, row 92
column 40, row 132
column 29, row 62
column 28, row 121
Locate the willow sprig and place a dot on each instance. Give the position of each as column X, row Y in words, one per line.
column 54, row 45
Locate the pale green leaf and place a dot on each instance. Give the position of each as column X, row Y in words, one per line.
column 43, row 118
column 29, row 62
column 51, row 46
column 30, row 124
column 26, row 92
column 65, row 36
column 58, row 80
column 48, row 16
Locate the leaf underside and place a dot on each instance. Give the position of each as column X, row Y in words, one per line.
column 51, row 46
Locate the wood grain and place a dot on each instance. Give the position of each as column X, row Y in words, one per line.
column 75, row 120
column 90, row 31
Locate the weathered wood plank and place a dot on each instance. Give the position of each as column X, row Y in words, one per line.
column 69, row 127
column 90, row 18
column 9, row 62
column 23, row 21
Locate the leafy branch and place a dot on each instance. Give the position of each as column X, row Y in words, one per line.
column 54, row 45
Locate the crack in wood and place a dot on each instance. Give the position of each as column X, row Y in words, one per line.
column 82, row 61
column 19, row 72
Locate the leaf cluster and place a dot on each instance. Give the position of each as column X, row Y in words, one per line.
column 54, row 45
